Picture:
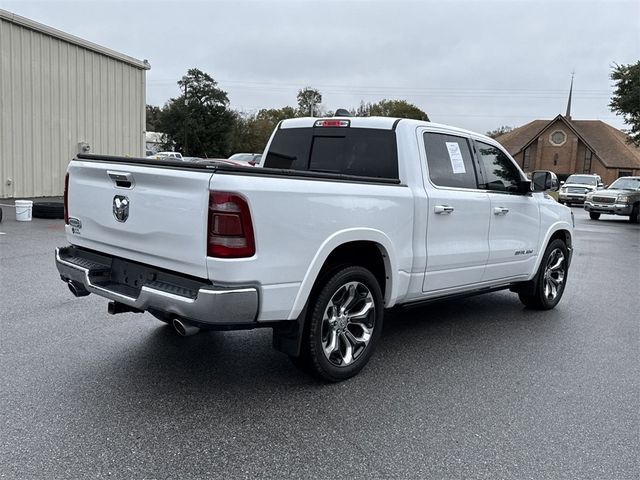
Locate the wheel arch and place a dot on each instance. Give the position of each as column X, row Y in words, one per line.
column 368, row 248
column 560, row 230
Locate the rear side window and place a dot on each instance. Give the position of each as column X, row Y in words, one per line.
column 450, row 161
column 350, row 151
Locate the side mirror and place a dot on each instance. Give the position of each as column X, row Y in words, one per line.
column 561, row 182
column 544, row 180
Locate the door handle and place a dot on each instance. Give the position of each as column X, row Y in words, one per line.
column 443, row 209
column 500, row 210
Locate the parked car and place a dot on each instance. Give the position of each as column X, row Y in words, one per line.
column 576, row 188
column 343, row 219
column 166, row 156
column 621, row 198
column 246, row 158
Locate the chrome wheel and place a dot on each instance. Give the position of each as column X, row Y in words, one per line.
column 554, row 274
column 347, row 323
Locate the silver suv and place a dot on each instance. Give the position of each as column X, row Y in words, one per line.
column 621, row 198
column 576, row 188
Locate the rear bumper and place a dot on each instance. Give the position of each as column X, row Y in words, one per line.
column 166, row 293
column 611, row 208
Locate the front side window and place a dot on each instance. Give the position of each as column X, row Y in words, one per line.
column 450, row 161
column 501, row 173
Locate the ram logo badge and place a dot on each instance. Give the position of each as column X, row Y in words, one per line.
column 121, row 208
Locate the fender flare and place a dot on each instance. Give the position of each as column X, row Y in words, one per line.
column 336, row 240
column 555, row 227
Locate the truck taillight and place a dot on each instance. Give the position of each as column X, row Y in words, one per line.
column 66, row 199
column 229, row 230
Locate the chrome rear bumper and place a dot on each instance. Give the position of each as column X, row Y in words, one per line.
column 203, row 303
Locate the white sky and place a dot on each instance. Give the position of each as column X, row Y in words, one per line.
column 473, row 64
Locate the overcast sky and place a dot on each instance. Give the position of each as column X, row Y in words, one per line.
column 473, row 64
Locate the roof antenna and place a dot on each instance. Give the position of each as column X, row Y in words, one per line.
column 568, row 114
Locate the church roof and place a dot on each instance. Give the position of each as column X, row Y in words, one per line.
column 606, row 142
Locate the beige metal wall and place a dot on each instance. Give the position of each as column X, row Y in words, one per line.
column 55, row 94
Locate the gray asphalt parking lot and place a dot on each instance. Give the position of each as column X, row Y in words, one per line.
column 473, row 388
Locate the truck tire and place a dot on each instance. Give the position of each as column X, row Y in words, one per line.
column 48, row 210
column 635, row 214
column 548, row 285
column 343, row 324
column 594, row 215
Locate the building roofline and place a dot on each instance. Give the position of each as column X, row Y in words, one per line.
column 578, row 134
column 52, row 32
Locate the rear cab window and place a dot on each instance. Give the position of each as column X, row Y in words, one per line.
column 364, row 152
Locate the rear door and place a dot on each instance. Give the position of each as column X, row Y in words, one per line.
column 154, row 215
column 514, row 226
column 458, row 214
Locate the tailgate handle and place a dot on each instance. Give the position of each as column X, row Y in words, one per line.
column 121, row 179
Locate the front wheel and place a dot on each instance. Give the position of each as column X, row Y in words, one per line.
column 344, row 324
column 548, row 285
column 594, row 215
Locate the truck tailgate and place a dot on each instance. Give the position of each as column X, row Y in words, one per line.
column 162, row 213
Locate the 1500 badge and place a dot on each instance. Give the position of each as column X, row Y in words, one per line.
column 76, row 225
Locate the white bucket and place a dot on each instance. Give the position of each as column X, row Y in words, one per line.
column 23, row 210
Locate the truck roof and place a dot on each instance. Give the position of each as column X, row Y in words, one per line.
column 383, row 123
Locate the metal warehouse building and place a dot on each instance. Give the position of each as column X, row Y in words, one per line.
column 60, row 94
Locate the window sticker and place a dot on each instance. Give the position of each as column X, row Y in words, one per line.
column 455, row 155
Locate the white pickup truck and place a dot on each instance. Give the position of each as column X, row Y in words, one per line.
column 343, row 219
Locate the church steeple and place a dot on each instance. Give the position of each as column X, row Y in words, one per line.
column 568, row 114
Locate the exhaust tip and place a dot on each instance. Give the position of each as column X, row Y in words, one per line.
column 77, row 289
column 184, row 329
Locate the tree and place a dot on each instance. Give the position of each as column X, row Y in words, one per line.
column 309, row 100
column 153, row 115
column 199, row 121
column 499, row 131
column 626, row 97
column 395, row 108
column 251, row 133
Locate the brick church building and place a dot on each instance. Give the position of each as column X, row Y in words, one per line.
column 565, row 146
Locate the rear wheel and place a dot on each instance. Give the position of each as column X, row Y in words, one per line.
column 548, row 285
column 594, row 215
column 635, row 214
column 344, row 325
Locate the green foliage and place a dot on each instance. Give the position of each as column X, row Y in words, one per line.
column 309, row 100
column 198, row 122
column 390, row 108
column 251, row 133
column 626, row 97
column 499, row 131
column 153, row 114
